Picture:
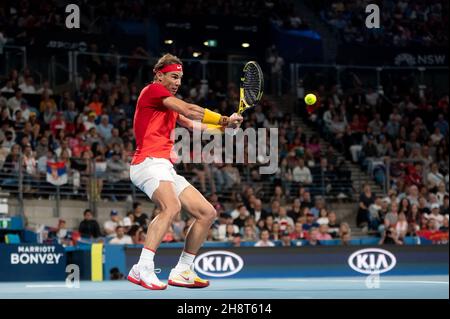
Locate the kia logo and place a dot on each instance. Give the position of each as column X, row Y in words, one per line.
column 219, row 263
column 372, row 261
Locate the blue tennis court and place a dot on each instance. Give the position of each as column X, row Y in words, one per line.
column 390, row 287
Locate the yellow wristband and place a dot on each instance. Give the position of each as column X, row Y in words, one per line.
column 211, row 117
column 214, row 129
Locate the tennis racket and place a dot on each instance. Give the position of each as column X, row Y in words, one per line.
column 251, row 89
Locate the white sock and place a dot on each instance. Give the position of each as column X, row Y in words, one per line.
column 146, row 257
column 185, row 262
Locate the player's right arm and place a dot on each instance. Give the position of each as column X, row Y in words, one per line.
column 195, row 112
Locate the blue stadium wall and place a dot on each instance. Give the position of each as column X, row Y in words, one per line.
column 242, row 262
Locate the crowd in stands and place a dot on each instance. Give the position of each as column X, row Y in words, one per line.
column 400, row 137
column 402, row 23
column 402, row 144
column 94, row 125
column 302, row 223
column 21, row 20
column 281, row 12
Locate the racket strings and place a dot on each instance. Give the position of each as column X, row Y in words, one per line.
column 252, row 85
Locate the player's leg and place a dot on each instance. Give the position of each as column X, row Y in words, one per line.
column 204, row 213
column 155, row 178
column 166, row 199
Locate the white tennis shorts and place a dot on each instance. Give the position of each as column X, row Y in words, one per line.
column 147, row 175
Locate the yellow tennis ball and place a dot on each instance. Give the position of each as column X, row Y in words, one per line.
column 310, row 99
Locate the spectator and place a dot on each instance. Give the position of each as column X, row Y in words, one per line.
column 58, row 123
column 47, row 104
column 444, row 227
column 237, row 239
column 391, row 217
column 310, row 222
column 284, row 220
column 16, row 101
column 224, row 230
column 434, row 177
column 264, row 239
column 286, row 239
column 243, row 213
column 96, row 105
column 319, row 204
column 104, row 129
column 115, row 274
column 344, row 229
column 390, row 237
column 323, row 217
column 45, row 88
column 116, row 169
column 249, row 234
column 60, row 233
column 257, row 211
column 27, row 86
column 401, row 227
column 279, row 195
column 276, row 63
column 333, row 225
column 301, row 174
column 323, row 232
column 8, row 88
column 346, row 239
column 296, row 209
column 313, row 237
column 375, row 216
column 365, row 200
column 110, row 226
column 435, row 215
column 275, row 231
column 230, row 230
column 89, row 227
column 121, row 238
column 298, row 232
column 140, row 217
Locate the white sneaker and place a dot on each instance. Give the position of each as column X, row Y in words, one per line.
column 146, row 277
column 186, row 278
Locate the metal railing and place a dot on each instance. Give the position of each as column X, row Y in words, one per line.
column 92, row 182
column 138, row 69
column 13, row 57
column 347, row 77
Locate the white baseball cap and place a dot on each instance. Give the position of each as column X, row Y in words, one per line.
column 435, row 205
column 126, row 222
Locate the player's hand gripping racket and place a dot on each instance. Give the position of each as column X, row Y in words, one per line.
column 252, row 84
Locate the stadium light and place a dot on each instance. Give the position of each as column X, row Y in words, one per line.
column 168, row 41
column 245, row 45
column 210, row 43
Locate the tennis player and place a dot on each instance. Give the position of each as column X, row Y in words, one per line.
column 151, row 170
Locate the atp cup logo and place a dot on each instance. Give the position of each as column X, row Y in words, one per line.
column 219, row 263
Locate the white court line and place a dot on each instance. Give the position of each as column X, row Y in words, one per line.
column 362, row 281
column 46, row 286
